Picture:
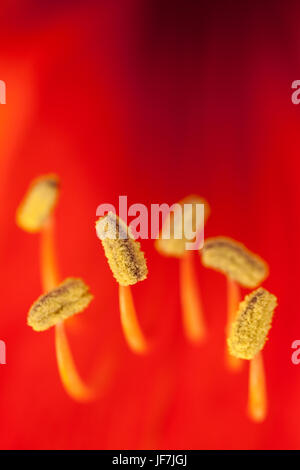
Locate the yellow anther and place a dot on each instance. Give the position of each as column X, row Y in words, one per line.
column 168, row 244
column 70, row 297
column 250, row 329
column 38, row 203
column 124, row 255
column 234, row 260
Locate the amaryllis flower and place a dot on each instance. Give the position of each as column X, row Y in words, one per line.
column 156, row 101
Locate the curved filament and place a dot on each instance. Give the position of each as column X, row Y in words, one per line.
column 131, row 328
column 70, row 378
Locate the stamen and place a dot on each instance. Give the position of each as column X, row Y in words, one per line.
column 38, row 203
column 34, row 215
column 167, row 244
column 190, row 295
column 249, row 331
column 234, row 260
column 240, row 266
column 123, row 253
column 247, row 338
column 68, row 298
column 128, row 266
column 193, row 318
column 70, row 378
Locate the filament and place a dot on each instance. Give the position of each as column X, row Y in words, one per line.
column 191, row 303
column 257, row 399
column 233, row 301
column 49, row 269
column 70, row 378
column 131, row 328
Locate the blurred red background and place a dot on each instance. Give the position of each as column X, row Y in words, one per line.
column 153, row 100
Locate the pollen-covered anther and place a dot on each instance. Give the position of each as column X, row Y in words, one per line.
column 38, row 203
column 249, row 331
column 234, row 260
column 70, row 297
column 124, row 255
column 180, row 224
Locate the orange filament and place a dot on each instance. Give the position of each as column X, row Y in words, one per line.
column 131, row 328
column 257, row 400
column 66, row 366
column 49, row 270
column 233, row 301
column 192, row 311
column 73, row 384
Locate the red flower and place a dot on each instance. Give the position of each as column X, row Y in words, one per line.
column 154, row 102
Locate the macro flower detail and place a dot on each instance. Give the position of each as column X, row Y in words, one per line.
column 123, row 253
column 168, row 244
column 128, row 266
column 234, row 260
column 241, row 268
column 250, row 329
column 61, row 300
column 137, row 106
column 38, row 203
column 247, row 339
column 69, row 298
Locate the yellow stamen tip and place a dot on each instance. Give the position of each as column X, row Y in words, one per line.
column 38, row 203
column 249, row 331
column 70, row 297
column 124, row 255
column 234, row 260
column 167, row 244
